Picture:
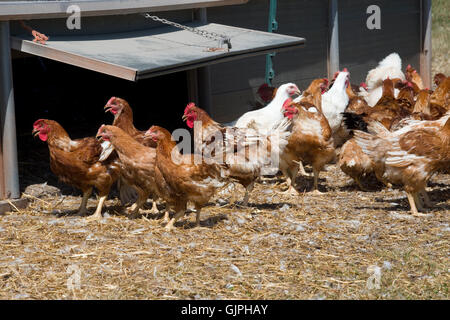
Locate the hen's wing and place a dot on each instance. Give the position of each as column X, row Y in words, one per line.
column 413, row 146
column 88, row 150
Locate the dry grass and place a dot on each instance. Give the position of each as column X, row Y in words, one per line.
column 440, row 36
column 282, row 247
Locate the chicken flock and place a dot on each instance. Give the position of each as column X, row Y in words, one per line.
column 390, row 128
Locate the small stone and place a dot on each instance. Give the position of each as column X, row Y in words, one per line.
column 42, row 190
column 387, row 265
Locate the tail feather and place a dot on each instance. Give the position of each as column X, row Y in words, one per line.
column 366, row 142
column 354, row 121
column 283, row 130
column 127, row 194
column 378, row 129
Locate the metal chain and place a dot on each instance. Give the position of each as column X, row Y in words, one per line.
column 223, row 39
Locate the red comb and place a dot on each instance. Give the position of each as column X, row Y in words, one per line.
column 100, row 129
column 263, row 86
column 345, row 70
column 189, row 106
column 363, row 84
column 37, row 122
column 111, row 100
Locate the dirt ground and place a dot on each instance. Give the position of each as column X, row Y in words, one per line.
column 344, row 244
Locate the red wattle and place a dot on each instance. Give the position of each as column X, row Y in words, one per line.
column 43, row 136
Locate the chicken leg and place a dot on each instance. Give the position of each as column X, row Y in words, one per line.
column 134, row 209
column 360, row 185
column 316, row 182
column 412, row 203
column 98, row 212
column 82, row 210
column 248, row 189
column 166, row 218
column 302, row 169
column 290, row 174
column 426, row 198
column 197, row 217
column 154, row 209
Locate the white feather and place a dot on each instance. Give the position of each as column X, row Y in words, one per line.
column 107, row 149
column 390, row 66
column 335, row 100
column 264, row 119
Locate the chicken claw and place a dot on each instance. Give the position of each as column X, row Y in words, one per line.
column 178, row 215
column 39, row 37
column 166, row 218
column 94, row 217
column 154, row 209
column 291, row 191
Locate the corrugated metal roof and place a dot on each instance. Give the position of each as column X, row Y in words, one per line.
column 157, row 51
column 38, row 9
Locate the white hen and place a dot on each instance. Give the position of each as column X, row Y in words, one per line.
column 335, row 100
column 389, row 67
column 263, row 120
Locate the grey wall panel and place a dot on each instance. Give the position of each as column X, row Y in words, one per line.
column 361, row 48
column 235, row 83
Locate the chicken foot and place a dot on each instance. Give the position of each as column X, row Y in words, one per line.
column 154, row 209
column 178, row 215
column 290, row 180
column 412, row 203
column 360, row 185
column 134, row 209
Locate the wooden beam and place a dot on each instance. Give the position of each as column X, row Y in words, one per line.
column 425, row 47
column 16, row 10
column 10, row 176
column 333, row 39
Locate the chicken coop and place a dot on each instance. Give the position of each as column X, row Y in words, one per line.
column 214, row 52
